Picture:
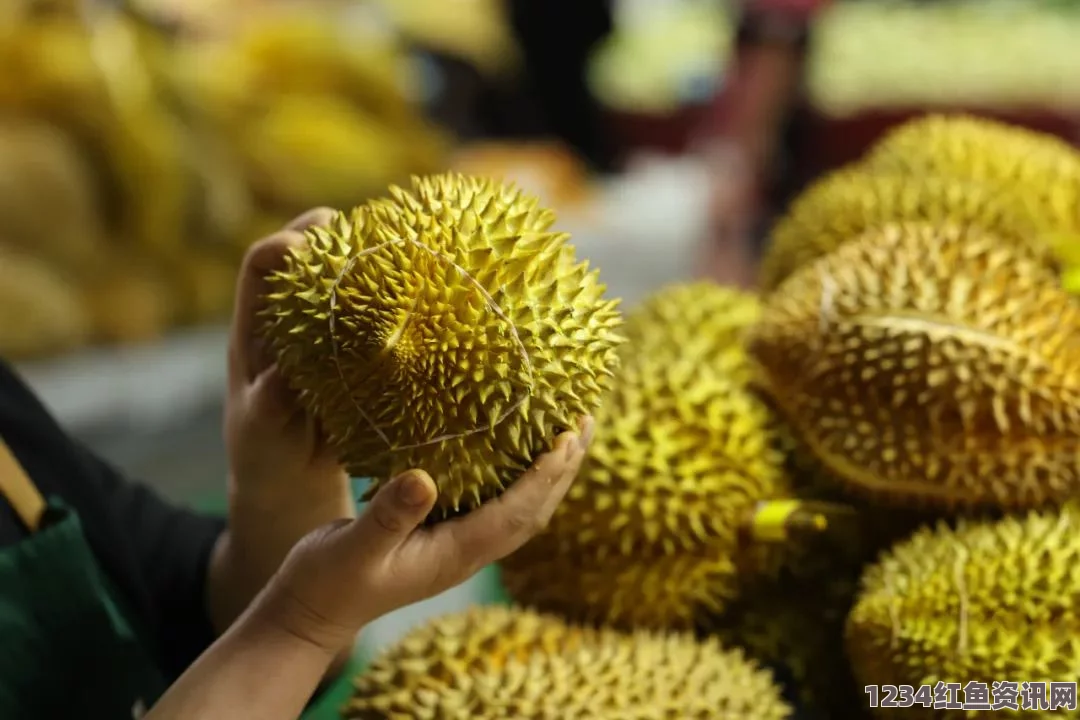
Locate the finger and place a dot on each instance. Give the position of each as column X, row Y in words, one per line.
column 501, row 526
column 271, row 402
column 246, row 356
column 316, row 217
column 397, row 509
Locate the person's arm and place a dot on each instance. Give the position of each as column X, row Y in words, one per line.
column 348, row 573
column 256, row 669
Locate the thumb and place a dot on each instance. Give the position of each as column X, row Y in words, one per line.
column 397, row 509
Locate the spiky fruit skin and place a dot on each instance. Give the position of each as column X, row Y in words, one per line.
column 494, row 663
column 683, row 452
column 930, row 365
column 1042, row 168
column 684, row 310
column 447, row 328
column 845, row 204
column 982, row 602
column 623, row 592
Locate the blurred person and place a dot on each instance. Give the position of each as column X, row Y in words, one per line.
column 116, row 604
column 557, row 37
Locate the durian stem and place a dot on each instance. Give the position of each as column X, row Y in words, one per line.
column 785, row 521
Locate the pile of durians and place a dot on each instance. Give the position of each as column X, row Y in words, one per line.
column 860, row 475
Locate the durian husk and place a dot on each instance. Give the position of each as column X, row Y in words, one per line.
column 980, row 602
column 132, row 301
column 100, row 80
column 40, row 313
column 650, row 533
column 447, row 327
column 1039, row 167
column 493, row 663
column 846, row 203
column 929, row 365
column 49, row 206
column 316, row 116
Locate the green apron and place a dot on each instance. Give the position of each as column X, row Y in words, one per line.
column 69, row 647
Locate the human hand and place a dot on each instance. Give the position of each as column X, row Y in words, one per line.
column 272, row 443
column 348, row 573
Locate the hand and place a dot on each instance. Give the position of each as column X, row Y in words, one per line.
column 348, row 573
column 272, row 444
column 283, row 480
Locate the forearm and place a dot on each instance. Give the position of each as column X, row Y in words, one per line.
column 255, row 670
column 264, row 525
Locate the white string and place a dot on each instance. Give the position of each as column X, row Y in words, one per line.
column 827, row 305
column 961, row 588
column 492, row 305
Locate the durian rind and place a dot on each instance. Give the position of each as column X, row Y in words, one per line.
column 446, row 327
column 601, row 586
column 1040, row 167
column 701, row 320
column 682, row 454
column 494, row 663
column 846, row 203
column 932, row 365
column 984, row 601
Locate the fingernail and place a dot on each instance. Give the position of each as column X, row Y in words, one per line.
column 586, row 433
column 412, row 490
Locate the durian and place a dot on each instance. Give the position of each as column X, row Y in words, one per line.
column 493, row 663
column 48, row 201
column 930, row 364
column 40, row 313
column 985, row 601
column 1042, row 168
column 649, row 535
column 447, row 327
column 848, row 202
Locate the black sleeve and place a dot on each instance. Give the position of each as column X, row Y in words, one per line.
column 157, row 554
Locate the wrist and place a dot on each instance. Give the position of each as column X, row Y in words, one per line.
column 281, row 612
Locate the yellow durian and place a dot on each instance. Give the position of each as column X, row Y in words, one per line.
column 49, row 204
column 494, row 663
column 848, row 202
column 930, row 364
column 447, row 327
column 682, row 454
column 982, row 602
column 40, row 313
column 1042, row 168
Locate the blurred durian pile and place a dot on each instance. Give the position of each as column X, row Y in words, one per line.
column 138, row 162
column 946, row 53
column 865, row 473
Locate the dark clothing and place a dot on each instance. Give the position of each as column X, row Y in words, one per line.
column 557, row 38
column 156, row 554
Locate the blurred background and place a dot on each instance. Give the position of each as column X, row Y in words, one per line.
column 144, row 144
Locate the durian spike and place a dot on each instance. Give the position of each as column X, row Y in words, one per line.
column 981, row 601
column 852, row 200
column 930, row 365
column 446, row 327
column 648, row 536
column 498, row 663
column 1040, row 168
